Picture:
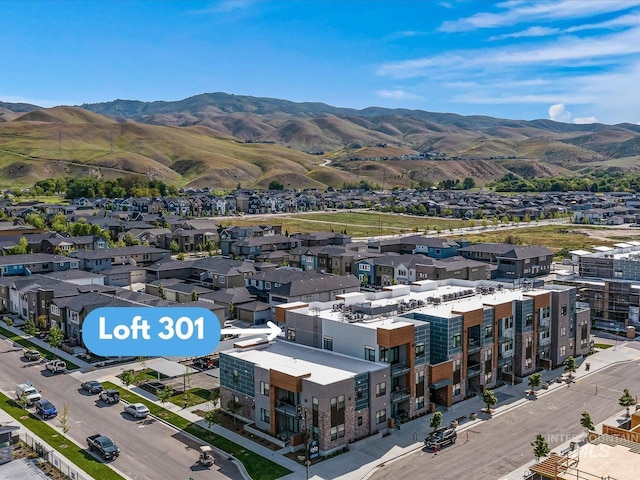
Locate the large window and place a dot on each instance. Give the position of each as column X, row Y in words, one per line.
column 419, row 402
column 264, row 388
column 328, row 343
column 265, row 415
column 457, row 340
column 370, row 354
column 381, row 389
column 337, row 403
column 381, row 416
column 419, row 349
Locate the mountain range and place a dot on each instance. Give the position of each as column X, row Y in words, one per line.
column 224, row 140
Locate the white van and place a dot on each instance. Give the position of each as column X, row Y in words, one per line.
column 32, row 395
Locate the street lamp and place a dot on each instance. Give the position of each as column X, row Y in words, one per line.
column 302, row 415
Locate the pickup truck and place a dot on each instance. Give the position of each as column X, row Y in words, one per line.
column 103, row 445
column 56, row 366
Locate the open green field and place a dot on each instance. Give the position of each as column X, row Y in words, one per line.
column 355, row 223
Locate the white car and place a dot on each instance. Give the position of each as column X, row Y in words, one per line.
column 137, row 410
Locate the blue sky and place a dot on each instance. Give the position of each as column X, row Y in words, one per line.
column 574, row 61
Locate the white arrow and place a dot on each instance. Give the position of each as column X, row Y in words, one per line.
column 272, row 332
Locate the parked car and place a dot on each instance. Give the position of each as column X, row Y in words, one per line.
column 137, row 410
column 57, row 366
column 110, row 396
column 32, row 354
column 103, row 445
column 28, row 393
column 441, row 437
column 46, row 409
column 92, row 386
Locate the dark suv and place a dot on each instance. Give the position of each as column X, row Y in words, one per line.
column 441, row 437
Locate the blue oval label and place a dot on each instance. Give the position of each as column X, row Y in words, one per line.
column 151, row 331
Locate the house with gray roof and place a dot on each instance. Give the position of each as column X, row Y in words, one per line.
column 512, row 261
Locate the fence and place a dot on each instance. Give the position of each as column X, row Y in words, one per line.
column 53, row 457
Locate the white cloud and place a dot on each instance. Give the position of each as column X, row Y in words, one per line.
column 559, row 113
column 529, row 32
column 563, row 51
column 585, row 120
column 518, row 11
column 398, row 95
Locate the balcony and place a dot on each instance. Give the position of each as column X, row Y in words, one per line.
column 502, row 361
column 474, row 369
column 399, row 369
column 400, row 395
column 473, row 345
column 287, row 409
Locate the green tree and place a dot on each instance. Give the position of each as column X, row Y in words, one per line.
column 436, row 420
column 23, row 400
column 164, row 394
column 127, row 377
column 29, row 327
column 276, row 185
column 174, row 247
column 535, row 379
column 35, row 220
column 570, row 366
column 63, row 418
column 468, row 183
column 489, row 399
column 194, row 296
column 161, row 293
column 234, row 407
column 180, row 256
column 540, row 447
column 21, row 248
column 55, row 337
column 232, row 309
column 211, row 417
column 626, row 400
column 586, row 423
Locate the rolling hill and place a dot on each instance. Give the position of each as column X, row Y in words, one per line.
column 222, row 140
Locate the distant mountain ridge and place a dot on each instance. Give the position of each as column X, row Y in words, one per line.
column 228, row 139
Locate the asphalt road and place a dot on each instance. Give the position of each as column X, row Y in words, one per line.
column 502, row 444
column 150, row 450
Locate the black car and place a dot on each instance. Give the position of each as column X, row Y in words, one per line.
column 441, row 437
column 92, row 386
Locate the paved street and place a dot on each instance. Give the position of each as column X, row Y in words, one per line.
column 150, row 449
column 501, row 445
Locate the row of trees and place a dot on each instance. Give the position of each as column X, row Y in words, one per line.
column 92, row 187
column 604, row 182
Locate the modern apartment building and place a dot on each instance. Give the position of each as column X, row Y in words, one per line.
column 455, row 337
column 288, row 390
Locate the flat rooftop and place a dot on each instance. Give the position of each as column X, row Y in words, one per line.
column 318, row 366
column 443, row 301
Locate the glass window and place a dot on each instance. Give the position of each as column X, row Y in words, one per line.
column 265, row 415
column 457, row 340
column 370, row 354
column 419, row 349
column 328, row 343
column 381, row 389
column 419, row 402
column 264, row 388
column 381, row 416
column 291, row 334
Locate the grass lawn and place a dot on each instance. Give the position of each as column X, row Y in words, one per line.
column 602, row 346
column 356, row 223
column 28, row 344
column 195, row 396
column 146, row 375
column 76, row 455
column 259, row 468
